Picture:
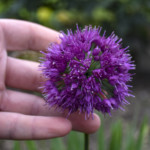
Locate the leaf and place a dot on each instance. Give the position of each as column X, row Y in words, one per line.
column 116, row 136
column 130, row 140
column 142, row 134
column 75, row 141
column 31, row 145
column 57, row 144
column 101, row 138
column 16, row 145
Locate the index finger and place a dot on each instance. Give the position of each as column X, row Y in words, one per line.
column 24, row 35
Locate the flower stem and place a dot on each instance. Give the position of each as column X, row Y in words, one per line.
column 86, row 141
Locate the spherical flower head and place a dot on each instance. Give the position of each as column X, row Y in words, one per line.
column 87, row 71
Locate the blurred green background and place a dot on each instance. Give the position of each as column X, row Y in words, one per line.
column 130, row 20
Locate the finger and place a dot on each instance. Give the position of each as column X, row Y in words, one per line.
column 23, row 74
column 34, row 105
column 23, row 127
column 23, row 35
column 24, row 103
column 79, row 123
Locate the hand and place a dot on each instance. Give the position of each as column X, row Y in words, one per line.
column 22, row 115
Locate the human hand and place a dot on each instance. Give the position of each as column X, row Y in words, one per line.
column 22, row 115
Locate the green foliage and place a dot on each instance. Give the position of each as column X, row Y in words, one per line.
column 118, row 15
column 75, row 141
column 116, row 136
column 31, row 145
column 101, row 138
column 56, row 144
column 16, row 146
column 130, row 140
column 142, row 135
column 100, row 14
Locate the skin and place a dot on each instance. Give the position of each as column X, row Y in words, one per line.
column 22, row 115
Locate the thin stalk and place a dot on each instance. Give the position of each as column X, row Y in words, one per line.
column 86, row 141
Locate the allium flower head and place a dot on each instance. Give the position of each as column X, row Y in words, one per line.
column 87, row 71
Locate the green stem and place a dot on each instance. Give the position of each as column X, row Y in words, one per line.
column 86, row 141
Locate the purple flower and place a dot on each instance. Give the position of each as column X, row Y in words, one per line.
column 87, row 71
